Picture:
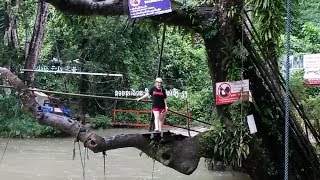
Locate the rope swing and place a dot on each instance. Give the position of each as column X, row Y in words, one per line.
column 241, row 92
column 287, row 91
column 161, row 49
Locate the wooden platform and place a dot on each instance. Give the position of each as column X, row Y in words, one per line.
column 164, row 135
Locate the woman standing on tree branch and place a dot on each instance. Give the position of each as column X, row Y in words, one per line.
column 159, row 103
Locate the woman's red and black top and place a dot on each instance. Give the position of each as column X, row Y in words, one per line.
column 158, row 96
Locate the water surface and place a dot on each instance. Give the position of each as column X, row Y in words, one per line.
column 51, row 159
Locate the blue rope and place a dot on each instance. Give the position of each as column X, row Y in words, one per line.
column 287, row 103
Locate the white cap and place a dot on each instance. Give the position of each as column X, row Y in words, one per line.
column 158, row 80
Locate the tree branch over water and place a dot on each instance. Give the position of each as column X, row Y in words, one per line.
column 180, row 153
column 180, row 15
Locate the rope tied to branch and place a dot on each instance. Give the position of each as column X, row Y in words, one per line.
column 86, row 139
column 86, row 153
column 76, row 140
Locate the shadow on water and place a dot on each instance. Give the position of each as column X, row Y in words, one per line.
column 51, row 159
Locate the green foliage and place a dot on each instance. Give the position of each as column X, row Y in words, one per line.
column 299, row 90
column 269, row 18
column 15, row 120
column 308, row 96
column 223, row 146
column 311, row 32
column 296, row 83
column 312, row 107
column 306, row 41
column 307, row 11
column 236, row 62
column 101, row 121
column 305, row 28
column 201, row 105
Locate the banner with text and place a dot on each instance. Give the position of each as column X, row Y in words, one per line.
column 144, row 8
column 230, row 92
column 136, row 93
column 311, row 64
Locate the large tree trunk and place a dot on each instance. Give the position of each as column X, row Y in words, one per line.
column 84, row 79
column 266, row 148
column 219, row 50
column 35, row 44
column 10, row 38
column 11, row 35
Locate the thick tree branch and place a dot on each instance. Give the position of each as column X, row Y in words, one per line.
column 180, row 153
column 91, row 7
column 179, row 16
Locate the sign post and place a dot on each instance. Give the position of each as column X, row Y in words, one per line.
column 230, row 92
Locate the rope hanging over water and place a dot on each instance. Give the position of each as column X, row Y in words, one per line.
column 104, row 154
column 153, row 164
column 82, row 163
column 287, row 91
column 241, row 92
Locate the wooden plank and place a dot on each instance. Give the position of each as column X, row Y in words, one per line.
column 154, row 134
column 164, row 136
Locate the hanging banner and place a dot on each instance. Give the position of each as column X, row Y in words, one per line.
column 144, row 8
column 311, row 64
column 230, row 92
column 137, row 93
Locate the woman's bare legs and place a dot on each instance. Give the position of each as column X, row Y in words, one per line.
column 156, row 120
column 161, row 121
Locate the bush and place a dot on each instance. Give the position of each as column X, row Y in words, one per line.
column 312, row 108
column 101, row 121
column 15, row 120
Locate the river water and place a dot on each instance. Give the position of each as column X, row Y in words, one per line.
column 51, row 159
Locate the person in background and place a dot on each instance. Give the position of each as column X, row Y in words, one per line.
column 159, row 103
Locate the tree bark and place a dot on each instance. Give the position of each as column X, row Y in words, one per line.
column 84, row 79
column 10, row 38
column 178, row 17
column 219, row 50
column 11, row 35
column 34, row 49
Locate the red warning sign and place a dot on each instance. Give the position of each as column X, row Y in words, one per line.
column 230, row 92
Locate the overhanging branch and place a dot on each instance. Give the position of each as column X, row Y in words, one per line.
column 178, row 17
column 91, row 7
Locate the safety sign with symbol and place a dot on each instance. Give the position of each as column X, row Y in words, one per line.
column 230, row 92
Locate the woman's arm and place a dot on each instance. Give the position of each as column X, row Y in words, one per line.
column 143, row 97
column 166, row 105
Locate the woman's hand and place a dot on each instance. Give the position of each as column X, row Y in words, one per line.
column 144, row 96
